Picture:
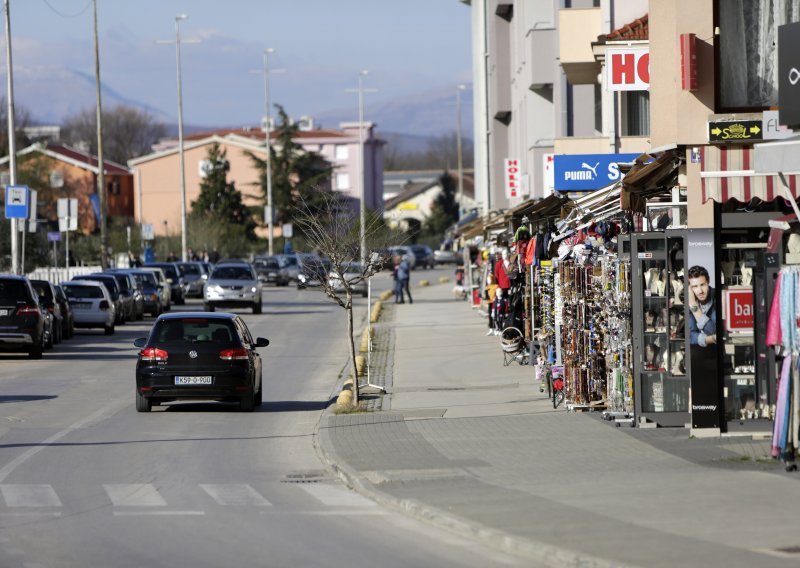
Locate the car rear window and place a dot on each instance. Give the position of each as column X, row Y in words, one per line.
column 82, row 291
column 13, row 291
column 146, row 278
column 42, row 289
column 232, row 273
column 191, row 269
column 194, row 329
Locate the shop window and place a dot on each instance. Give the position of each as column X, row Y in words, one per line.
column 637, row 113
column 747, row 61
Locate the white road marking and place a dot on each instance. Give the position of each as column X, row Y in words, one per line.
column 336, row 496
column 6, row 470
column 30, row 496
column 31, row 514
column 331, row 513
column 158, row 513
column 134, row 495
column 239, row 494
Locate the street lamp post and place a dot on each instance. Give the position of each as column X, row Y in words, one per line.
column 268, row 163
column 12, row 145
column 101, row 180
column 180, row 133
column 460, row 198
column 363, row 193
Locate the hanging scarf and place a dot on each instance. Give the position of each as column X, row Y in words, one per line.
column 774, row 332
column 780, row 427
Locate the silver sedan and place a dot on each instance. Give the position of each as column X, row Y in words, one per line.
column 232, row 285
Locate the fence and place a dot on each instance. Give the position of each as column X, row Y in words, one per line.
column 59, row 275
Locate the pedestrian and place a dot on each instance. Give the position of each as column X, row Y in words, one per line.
column 398, row 284
column 404, row 272
column 190, row 254
column 171, row 257
column 213, row 256
column 204, row 255
column 491, row 294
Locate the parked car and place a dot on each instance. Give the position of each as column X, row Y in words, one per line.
column 444, row 256
column 152, row 292
column 172, row 271
column 91, row 304
column 269, row 270
column 47, row 300
column 68, row 320
column 194, row 278
column 22, row 323
column 423, row 256
column 129, row 293
column 121, row 304
column 166, row 290
column 232, row 284
column 351, row 272
column 199, row 356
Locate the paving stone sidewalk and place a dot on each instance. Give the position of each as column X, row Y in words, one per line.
column 470, row 444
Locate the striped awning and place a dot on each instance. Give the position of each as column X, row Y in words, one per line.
column 727, row 173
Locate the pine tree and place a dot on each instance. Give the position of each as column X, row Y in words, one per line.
column 444, row 211
column 220, row 201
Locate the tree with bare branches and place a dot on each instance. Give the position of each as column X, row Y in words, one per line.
column 331, row 225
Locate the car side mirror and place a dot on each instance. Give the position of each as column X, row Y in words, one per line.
column 140, row 342
column 262, row 342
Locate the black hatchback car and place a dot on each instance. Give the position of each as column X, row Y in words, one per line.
column 199, row 356
column 22, row 323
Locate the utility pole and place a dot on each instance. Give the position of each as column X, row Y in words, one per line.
column 268, row 162
column 177, row 42
column 101, row 176
column 460, row 198
column 12, row 143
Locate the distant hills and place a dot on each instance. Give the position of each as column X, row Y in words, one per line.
column 408, row 124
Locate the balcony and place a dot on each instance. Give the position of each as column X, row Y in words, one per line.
column 578, row 28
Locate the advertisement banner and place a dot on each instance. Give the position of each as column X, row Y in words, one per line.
column 628, row 69
column 513, row 178
column 702, row 309
column 587, row 172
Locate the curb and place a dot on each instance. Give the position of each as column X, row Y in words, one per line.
column 545, row 554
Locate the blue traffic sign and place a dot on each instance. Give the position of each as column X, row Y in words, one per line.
column 53, row 236
column 17, row 202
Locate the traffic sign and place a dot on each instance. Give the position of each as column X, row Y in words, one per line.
column 17, row 203
column 53, row 236
column 147, row 232
column 735, row 131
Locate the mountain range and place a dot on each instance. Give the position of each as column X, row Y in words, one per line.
column 411, row 122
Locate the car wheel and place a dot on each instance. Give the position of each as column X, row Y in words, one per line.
column 247, row 403
column 209, row 307
column 36, row 351
column 49, row 343
column 109, row 329
column 257, row 308
column 259, row 395
column 143, row 403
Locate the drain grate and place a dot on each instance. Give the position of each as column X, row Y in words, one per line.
column 304, row 477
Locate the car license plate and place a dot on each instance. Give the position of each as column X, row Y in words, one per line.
column 3, row 312
column 80, row 306
column 207, row 380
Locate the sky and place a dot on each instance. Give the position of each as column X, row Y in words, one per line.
column 409, row 47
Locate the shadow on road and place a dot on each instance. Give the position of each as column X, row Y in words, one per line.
column 25, row 397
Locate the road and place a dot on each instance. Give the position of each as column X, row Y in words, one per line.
column 85, row 480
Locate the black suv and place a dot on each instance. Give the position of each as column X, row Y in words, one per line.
column 22, row 322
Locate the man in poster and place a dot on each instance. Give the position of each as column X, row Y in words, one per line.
column 702, row 308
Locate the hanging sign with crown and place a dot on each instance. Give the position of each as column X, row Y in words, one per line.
column 733, row 131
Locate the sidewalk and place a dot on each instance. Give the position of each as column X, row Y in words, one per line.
column 467, row 443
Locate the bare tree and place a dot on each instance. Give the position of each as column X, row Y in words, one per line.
column 330, row 224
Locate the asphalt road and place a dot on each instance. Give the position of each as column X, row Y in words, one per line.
column 87, row 481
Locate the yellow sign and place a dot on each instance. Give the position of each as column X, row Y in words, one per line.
column 407, row 206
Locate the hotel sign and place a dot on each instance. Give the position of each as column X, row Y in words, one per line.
column 628, row 69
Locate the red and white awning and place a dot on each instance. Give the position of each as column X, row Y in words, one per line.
column 727, row 173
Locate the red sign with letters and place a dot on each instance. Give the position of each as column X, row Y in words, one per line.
column 739, row 309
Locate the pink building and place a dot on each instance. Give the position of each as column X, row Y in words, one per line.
column 157, row 176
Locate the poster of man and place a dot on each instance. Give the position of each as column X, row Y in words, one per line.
column 702, row 308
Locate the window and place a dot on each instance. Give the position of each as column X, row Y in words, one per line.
column 748, row 50
column 637, row 113
column 342, row 152
column 342, row 181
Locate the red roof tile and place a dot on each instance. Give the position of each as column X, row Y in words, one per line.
column 636, row 30
column 111, row 168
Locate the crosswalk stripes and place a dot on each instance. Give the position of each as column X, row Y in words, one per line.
column 238, row 494
column 146, row 499
column 30, row 496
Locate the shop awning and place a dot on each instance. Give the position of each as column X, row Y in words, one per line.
column 651, row 174
column 729, row 173
column 539, row 209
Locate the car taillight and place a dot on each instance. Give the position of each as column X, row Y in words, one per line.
column 29, row 311
column 153, row 354
column 103, row 304
column 51, row 309
column 154, row 297
column 236, row 354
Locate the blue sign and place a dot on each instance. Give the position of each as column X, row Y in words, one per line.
column 17, row 202
column 587, row 172
column 53, row 236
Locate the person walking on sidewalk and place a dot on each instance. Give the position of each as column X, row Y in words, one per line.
column 404, row 276
column 398, row 285
column 491, row 294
